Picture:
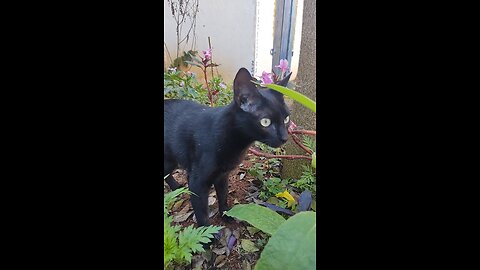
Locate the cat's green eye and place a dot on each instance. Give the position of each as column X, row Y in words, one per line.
column 286, row 119
column 265, row 122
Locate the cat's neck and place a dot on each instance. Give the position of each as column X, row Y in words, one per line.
column 234, row 135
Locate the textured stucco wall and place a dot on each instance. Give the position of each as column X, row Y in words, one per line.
column 306, row 84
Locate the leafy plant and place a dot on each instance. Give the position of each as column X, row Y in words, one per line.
column 310, row 143
column 178, row 244
column 271, row 187
column 182, row 60
column 184, row 85
column 297, row 235
column 257, row 171
column 307, row 180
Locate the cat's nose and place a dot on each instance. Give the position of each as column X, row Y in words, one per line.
column 283, row 135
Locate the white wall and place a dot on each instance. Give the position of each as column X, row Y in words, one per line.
column 231, row 27
column 241, row 33
column 264, row 36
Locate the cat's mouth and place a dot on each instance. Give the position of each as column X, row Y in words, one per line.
column 276, row 143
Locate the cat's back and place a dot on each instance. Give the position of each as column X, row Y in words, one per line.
column 176, row 109
column 184, row 115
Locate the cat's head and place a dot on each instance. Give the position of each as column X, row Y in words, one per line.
column 263, row 111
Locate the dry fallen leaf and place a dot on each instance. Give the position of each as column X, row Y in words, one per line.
column 182, row 217
column 219, row 251
column 246, row 265
column 184, row 209
column 177, row 205
column 197, row 261
column 211, row 200
column 220, row 261
column 213, row 212
column 207, row 254
column 248, row 245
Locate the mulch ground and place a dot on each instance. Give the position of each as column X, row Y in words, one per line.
column 241, row 190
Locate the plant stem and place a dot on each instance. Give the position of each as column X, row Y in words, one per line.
column 211, row 55
column 297, row 141
column 204, row 69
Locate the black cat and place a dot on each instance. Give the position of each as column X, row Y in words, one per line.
column 210, row 142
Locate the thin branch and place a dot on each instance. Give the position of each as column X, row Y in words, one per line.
column 299, row 143
column 301, row 131
column 261, row 154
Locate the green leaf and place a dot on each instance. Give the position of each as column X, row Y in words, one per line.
column 293, row 245
column 261, row 217
column 302, row 99
column 314, row 160
column 193, row 63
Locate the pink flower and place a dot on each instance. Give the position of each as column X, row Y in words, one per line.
column 267, row 77
column 207, row 54
column 283, row 65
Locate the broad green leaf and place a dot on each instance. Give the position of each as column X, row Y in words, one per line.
column 293, row 245
column 302, row 99
column 314, row 160
column 261, row 217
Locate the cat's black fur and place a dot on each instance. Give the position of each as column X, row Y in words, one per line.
column 210, row 142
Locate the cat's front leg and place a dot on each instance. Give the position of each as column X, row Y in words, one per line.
column 199, row 200
column 221, row 187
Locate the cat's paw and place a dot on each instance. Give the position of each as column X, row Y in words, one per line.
column 227, row 219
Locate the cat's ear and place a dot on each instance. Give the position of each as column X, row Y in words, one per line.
column 285, row 80
column 246, row 95
column 283, row 83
